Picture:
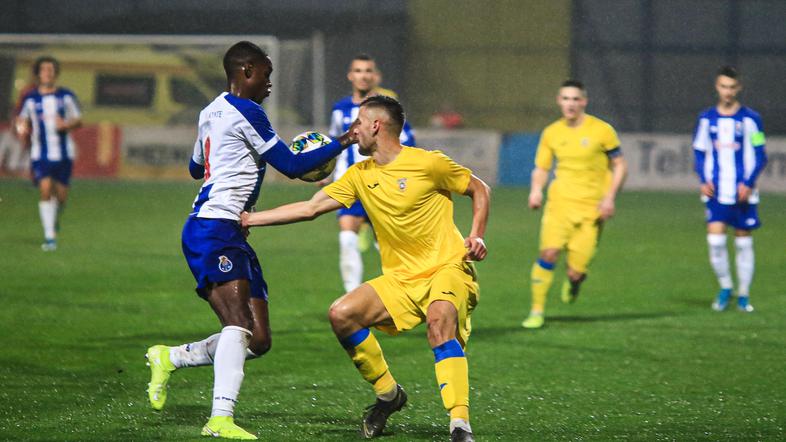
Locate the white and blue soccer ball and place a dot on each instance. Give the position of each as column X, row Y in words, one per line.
column 308, row 141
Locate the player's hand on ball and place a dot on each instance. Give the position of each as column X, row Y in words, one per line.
column 743, row 193
column 708, row 190
column 535, row 200
column 350, row 136
column 606, row 208
column 476, row 248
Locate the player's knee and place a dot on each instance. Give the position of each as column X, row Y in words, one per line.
column 260, row 345
column 441, row 328
column 340, row 315
column 549, row 255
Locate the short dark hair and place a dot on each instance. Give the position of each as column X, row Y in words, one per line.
column 45, row 59
column 573, row 83
column 241, row 53
column 363, row 56
column 391, row 106
column 728, row 71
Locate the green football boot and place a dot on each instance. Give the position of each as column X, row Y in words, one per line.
column 224, row 426
column 533, row 321
column 160, row 370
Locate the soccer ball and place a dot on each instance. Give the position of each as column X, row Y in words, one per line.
column 308, row 141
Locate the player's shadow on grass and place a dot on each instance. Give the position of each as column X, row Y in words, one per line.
column 610, row 317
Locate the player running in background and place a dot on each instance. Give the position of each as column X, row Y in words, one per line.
column 580, row 199
column 235, row 143
column 729, row 156
column 364, row 77
column 48, row 114
column 427, row 276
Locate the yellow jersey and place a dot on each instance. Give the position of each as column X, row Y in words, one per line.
column 409, row 203
column 582, row 174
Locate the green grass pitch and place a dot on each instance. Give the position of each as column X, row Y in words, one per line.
column 640, row 356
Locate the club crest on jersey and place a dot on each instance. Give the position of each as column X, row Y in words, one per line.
column 402, row 184
column 224, row 264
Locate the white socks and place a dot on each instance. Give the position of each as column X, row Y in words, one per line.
column 350, row 261
column 195, row 354
column 200, row 353
column 47, row 210
column 228, row 369
column 719, row 258
column 745, row 263
column 460, row 423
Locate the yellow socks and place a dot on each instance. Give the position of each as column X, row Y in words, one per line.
column 366, row 354
column 540, row 279
column 450, row 365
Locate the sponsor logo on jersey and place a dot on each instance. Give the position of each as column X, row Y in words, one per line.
column 224, row 264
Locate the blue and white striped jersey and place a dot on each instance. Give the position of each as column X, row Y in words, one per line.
column 729, row 150
column 345, row 111
column 46, row 142
column 233, row 133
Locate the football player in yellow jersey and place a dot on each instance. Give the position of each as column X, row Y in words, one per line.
column 427, row 271
column 589, row 173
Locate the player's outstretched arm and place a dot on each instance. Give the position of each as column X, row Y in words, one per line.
column 619, row 171
column 539, row 179
column 294, row 165
column 481, row 199
column 291, row 213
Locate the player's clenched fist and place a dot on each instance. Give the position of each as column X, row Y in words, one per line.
column 535, row 200
column 476, row 248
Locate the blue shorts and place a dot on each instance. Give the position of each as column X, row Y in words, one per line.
column 57, row 170
column 217, row 251
column 742, row 216
column 356, row 209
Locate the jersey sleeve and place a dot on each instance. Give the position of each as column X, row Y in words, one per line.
column 344, row 189
column 407, row 137
column 754, row 134
column 544, row 157
column 335, row 123
column 755, row 131
column 448, row 174
column 609, row 140
column 25, row 111
column 701, row 135
column 258, row 132
column 199, row 155
column 71, row 105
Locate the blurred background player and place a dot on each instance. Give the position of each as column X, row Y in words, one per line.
column 47, row 116
column 581, row 197
column 728, row 146
column 365, row 78
column 235, row 143
column 427, row 276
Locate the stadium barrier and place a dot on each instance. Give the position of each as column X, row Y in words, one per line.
column 656, row 161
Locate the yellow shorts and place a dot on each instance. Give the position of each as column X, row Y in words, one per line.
column 407, row 301
column 576, row 230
